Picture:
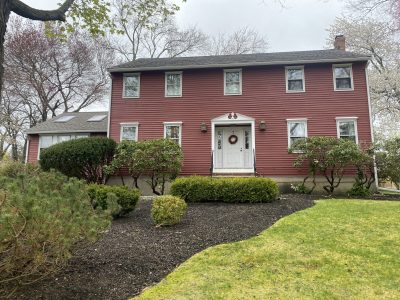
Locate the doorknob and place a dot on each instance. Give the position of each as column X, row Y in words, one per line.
column 241, row 149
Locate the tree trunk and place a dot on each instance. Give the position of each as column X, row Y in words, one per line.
column 4, row 16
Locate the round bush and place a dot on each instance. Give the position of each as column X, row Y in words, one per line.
column 168, row 210
column 202, row 189
column 125, row 198
column 83, row 158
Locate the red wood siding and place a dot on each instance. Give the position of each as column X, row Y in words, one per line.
column 33, row 148
column 264, row 97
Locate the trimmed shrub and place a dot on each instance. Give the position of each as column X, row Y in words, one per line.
column 41, row 218
column 168, row 210
column 201, row 189
column 124, row 197
column 83, row 158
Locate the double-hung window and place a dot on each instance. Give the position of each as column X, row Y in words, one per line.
column 295, row 79
column 131, row 88
column 233, row 82
column 173, row 84
column 343, row 77
column 297, row 130
column 173, row 131
column 129, row 132
column 347, row 128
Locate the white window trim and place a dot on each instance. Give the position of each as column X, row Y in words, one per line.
column 177, row 123
column 341, row 119
column 123, row 86
column 287, row 79
column 351, row 77
column 132, row 124
column 303, row 120
column 165, row 87
column 240, row 81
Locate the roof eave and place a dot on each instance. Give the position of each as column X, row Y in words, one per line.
column 64, row 131
column 234, row 65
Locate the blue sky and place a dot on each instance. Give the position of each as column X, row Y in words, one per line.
column 301, row 25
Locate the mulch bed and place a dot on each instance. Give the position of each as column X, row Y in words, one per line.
column 134, row 254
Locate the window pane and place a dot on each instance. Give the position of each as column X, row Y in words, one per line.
column 131, row 86
column 232, row 88
column 63, row 138
column 232, row 77
column 347, row 128
column 46, row 141
column 297, row 129
column 295, row 74
column 129, row 133
column 343, row 83
column 342, row 72
column 172, row 132
column 174, row 79
column 295, row 85
column 173, row 90
column 295, row 139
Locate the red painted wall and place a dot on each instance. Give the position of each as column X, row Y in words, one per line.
column 33, row 148
column 264, row 97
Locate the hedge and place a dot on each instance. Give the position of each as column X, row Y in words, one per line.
column 83, row 158
column 126, row 198
column 168, row 210
column 203, row 189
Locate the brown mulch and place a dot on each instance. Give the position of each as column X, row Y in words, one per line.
column 134, row 254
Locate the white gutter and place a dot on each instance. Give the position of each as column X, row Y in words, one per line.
column 67, row 131
column 27, row 149
column 109, row 110
column 237, row 64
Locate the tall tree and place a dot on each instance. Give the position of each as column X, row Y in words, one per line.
column 243, row 41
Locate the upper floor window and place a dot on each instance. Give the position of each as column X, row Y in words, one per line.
column 295, row 79
column 173, row 84
column 233, row 82
column 131, row 88
column 173, row 131
column 343, row 77
column 129, row 132
column 297, row 130
column 347, row 128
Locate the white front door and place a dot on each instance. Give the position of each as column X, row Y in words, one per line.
column 233, row 148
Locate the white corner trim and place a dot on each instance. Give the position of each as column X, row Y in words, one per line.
column 351, row 77
column 109, row 109
column 287, row 79
column 124, row 75
column 27, row 149
column 165, row 87
column 240, row 81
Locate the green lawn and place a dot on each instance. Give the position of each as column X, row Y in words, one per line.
column 338, row 249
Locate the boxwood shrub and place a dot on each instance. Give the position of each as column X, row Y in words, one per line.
column 168, row 210
column 126, row 198
column 202, row 189
column 83, row 158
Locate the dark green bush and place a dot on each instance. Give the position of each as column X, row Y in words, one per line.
column 41, row 218
column 83, row 158
column 126, row 198
column 201, row 189
column 168, row 210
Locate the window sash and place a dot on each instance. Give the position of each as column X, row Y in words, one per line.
column 131, row 85
column 173, row 84
column 297, row 130
column 128, row 132
column 233, row 82
column 173, row 132
column 295, row 79
column 343, row 76
column 347, row 130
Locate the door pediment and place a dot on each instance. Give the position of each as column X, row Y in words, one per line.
column 232, row 117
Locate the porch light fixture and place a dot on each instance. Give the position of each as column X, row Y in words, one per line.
column 203, row 127
column 263, row 125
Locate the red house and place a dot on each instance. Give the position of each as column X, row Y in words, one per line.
column 238, row 114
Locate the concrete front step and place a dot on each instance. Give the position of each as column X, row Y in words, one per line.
column 233, row 175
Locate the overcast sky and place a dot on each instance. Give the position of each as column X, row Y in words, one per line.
column 300, row 26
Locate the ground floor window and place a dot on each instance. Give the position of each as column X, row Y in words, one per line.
column 297, row 130
column 173, row 131
column 45, row 141
column 347, row 128
column 129, row 132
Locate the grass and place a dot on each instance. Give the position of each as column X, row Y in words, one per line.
column 338, row 249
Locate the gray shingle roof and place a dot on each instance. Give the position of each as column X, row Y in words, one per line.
column 78, row 124
column 277, row 58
